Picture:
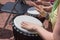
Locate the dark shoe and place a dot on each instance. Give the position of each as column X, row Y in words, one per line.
column 0, row 7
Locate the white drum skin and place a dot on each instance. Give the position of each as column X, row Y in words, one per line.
column 32, row 12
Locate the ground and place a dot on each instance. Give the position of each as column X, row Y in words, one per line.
column 7, row 32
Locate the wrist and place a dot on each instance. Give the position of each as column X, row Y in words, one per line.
column 37, row 28
column 43, row 13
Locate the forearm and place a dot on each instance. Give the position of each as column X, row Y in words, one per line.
column 44, row 33
column 57, row 26
column 56, row 30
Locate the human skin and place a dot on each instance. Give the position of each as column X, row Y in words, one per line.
column 46, row 35
column 57, row 26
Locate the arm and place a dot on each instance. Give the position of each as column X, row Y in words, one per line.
column 57, row 26
column 46, row 35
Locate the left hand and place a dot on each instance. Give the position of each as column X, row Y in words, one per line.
column 29, row 2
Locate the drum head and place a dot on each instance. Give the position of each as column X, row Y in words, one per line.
column 19, row 19
column 33, row 11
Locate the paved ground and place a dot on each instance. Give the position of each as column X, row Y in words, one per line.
column 7, row 33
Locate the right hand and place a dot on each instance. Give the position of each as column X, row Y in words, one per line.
column 29, row 25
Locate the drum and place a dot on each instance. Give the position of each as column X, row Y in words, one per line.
column 32, row 12
column 23, row 34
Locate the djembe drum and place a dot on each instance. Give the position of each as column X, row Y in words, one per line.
column 23, row 34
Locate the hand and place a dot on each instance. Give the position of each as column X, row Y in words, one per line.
column 46, row 23
column 45, row 3
column 47, row 8
column 29, row 26
column 29, row 2
column 41, row 10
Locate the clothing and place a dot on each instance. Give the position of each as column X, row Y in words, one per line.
column 53, row 14
column 52, row 1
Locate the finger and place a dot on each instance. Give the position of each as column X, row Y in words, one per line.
column 38, row 2
column 34, row 4
column 39, row 12
column 37, row 9
column 24, row 26
column 40, row 7
column 29, row 3
column 37, row 6
column 25, row 23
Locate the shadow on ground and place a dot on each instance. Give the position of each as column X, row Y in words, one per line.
column 5, row 33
